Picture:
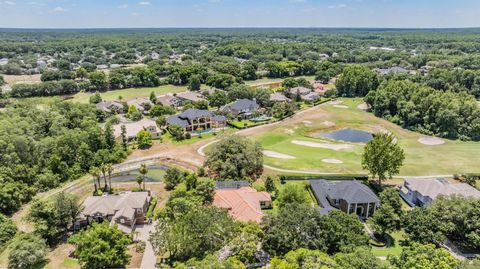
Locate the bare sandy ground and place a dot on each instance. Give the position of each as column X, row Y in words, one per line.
column 322, row 145
column 335, row 161
column 307, row 123
column 340, row 106
column 363, row 106
column 12, row 79
column 431, row 141
column 328, row 123
column 277, row 155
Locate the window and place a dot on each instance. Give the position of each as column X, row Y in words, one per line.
column 139, row 210
column 263, row 204
column 122, row 221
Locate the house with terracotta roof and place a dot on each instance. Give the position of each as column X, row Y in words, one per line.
column 125, row 209
column 243, row 204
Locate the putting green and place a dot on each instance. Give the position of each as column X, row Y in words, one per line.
column 448, row 158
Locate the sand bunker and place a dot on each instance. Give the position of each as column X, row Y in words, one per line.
column 289, row 131
column 277, row 155
column 307, row 123
column 335, row 161
column 431, row 141
column 340, row 106
column 336, row 102
column 321, row 145
column 363, row 106
column 328, row 123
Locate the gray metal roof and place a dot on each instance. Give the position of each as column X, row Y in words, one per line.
column 352, row 191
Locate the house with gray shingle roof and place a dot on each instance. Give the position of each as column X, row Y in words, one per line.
column 197, row 119
column 125, row 209
column 244, row 108
column 278, row 97
column 299, row 90
column 422, row 192
column 349, row 196
column 110, row 107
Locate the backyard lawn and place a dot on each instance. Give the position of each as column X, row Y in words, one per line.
column 309, row 153
column 394, row 250
column 131, row 93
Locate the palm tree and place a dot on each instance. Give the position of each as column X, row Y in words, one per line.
column 109, row 167
column 139, row 181
column 144, row 171
column 103, row 169
column 95, row 172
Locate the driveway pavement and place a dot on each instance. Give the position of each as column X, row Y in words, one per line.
column 149, row 258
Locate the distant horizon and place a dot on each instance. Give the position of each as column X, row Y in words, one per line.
column 122, row 14
column 244, row 27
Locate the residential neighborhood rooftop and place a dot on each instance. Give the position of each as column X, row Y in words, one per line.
column 243, row 204
column 439, row 186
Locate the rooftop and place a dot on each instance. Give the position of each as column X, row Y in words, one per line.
column 191, row 96
column 243, row 204
column 121, row 205
column 352, row 191
column 133, row 128
column 439, row 186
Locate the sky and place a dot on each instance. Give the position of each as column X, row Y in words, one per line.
column 239, row 13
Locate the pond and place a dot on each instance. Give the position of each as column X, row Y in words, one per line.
column 346, row 135
column 155, row 174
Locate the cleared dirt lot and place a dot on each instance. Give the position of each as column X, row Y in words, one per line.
column 12, row 79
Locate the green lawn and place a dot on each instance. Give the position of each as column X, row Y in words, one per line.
column 449, row 158
column 129, row 94
column 167, row 137
column 310, row 197
column 71, row 263
column 394, row 250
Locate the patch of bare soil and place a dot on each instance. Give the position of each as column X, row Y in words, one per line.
column 135, row 257
column 363, row 106
column 13, row 79
column 58, row 255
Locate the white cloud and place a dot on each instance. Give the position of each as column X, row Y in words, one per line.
column 337, row 6
column 214, row 1
column 134, row 14
column 58, row 10
column 144, row 3
column 9, row 3
column 123, row 6
column 297, row 1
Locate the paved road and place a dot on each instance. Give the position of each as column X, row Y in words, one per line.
column 149, row 259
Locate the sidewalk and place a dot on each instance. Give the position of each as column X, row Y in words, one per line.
column 149, row 258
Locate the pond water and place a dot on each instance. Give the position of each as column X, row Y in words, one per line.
column 155, row 174
column 346, row 135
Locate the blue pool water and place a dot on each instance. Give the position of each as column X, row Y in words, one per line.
column 347, row 135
